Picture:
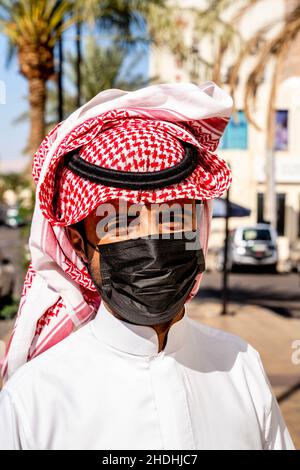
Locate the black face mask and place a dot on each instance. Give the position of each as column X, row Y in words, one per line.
column 147, row 280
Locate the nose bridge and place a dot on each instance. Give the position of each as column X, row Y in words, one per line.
column 149, row 219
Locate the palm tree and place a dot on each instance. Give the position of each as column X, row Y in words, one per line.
column 266, row 49
column 212, row 23
column 130, row 24
column 152, row 20
column 100, row 70
column 271, row 51
column 32, row 28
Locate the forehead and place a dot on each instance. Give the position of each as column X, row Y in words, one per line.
column 121, row 204
column 115, row 208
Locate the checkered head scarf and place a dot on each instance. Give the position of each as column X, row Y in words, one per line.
column 132, row 134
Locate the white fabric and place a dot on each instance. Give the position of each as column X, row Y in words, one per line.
column 107, row 387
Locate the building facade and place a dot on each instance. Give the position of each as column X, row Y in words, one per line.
column 243, row 146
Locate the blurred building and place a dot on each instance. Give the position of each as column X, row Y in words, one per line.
column 243, row 146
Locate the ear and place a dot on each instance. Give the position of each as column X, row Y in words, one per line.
column 76, row 241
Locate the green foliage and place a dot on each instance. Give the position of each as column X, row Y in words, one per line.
column 9, row 309
column 34, row 21
column 100, row 70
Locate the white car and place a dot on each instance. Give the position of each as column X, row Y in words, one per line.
column 295, row 256
column 251, row 246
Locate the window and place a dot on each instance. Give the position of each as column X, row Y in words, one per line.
column 280, row 213
column 260, row 208
column 280, row 204
column 281, row 130
column 256, row 234
column 236, row 133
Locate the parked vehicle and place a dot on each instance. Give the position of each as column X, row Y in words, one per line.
column 10, row 216
column 295, row 256
column 251, row 246
column 7, row 278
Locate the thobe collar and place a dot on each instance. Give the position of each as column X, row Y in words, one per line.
column 136, row 339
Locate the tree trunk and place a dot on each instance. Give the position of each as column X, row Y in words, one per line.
column 270, row 211
column 37, row 102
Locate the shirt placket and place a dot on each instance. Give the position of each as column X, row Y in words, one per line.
column 171, row 402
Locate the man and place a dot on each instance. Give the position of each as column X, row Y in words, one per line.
column 118, row 243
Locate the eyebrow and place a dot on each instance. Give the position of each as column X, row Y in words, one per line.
column 109, row 218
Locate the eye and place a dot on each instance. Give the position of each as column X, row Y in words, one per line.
column 120, row 222
column 171, row 218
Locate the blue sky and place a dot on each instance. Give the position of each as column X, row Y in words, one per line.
column 13, row 136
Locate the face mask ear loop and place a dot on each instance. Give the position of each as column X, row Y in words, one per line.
column 95, row 247
column 86, row 263
column 199, row 208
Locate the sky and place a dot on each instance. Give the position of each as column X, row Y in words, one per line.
column 13, row 103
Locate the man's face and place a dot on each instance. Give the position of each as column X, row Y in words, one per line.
column 118, row 220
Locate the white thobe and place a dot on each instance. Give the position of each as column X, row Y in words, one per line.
column 107, row 387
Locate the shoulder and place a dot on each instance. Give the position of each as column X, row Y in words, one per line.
column 226, row 351
column 55, row 363
column 217, row 338
column 241, row 366
column 229, row 353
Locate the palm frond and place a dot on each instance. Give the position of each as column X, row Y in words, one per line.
column 272, row 50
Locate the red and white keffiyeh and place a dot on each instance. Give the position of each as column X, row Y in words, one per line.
column 128, row 131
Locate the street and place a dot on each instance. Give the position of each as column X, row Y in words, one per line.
column 277, row 292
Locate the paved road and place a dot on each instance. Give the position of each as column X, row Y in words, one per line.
column 278, row 292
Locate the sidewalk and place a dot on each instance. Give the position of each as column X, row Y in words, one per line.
column 267, row 332
column 272, row 336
